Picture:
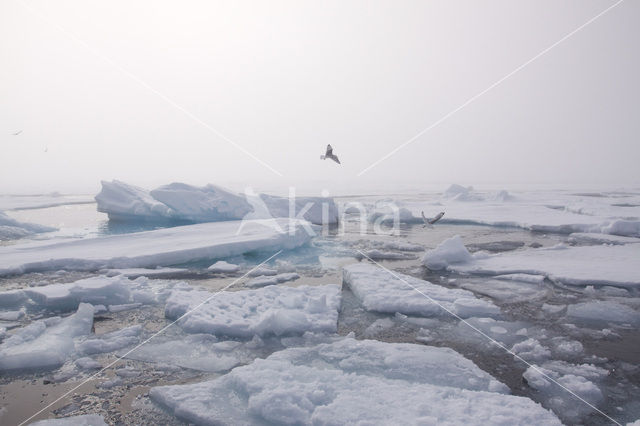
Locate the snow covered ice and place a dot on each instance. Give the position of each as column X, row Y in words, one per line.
column 265, row 311
column 353, row 381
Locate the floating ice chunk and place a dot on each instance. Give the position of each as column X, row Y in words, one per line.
column 526, row 278
column 201, row 352
column 144, row 272
column 579, row 379
column 110, row 342
column 12, row 298
column 124, row 202
column 593, row 238
column 127, row 372
column 505, row 291
column 269, row 310
column 378, row 326
column 83, row 420
column 11, row 229
column 95, row 290
column 206, row 204
column 484, row 329
column 87, row 363
column 382, row 292
column 598, row 312
column 263, row 281
column 587, row 265
column 350, row 382
column 376, row 254
column 262, row 271
column 317, row 210
column 398, row 245
column 630, row 228
column 12, row 315
column 39, row 345
column 450, row 251
column 124, row 307
column 156, row 248
column 111, row 383
column 224, row 267
column 531, row 350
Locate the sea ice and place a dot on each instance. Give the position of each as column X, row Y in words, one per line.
column 263, row 280
column 352, row 381
column 598, row 312
column 159, row 247
column 449, row 251
column 11, row 229
column 223, row 267
column 382, row 292
column 264, row 311
column 42, row 345
column 111, row 341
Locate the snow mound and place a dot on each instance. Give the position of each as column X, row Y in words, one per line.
column 449, row 251
column 353, row 381
column 265, row 311
column 45, row 344
column 223, row 267
column 586, row 265
column 382, row 292
column 160, row 247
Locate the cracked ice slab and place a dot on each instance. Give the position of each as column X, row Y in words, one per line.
column 265, row 311
column 352, row 381
column 382, row 292
column 160, row 247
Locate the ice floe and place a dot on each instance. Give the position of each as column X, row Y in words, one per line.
column 223, row 267
column 83, row 420
column 383, row 292
column 159, row 247
column 272, row 310
column 353, row 381
column 11, row 229
column 45, row 343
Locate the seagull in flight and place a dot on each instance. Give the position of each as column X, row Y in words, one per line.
column 330, row 154
column 17, row 133
column 431, row 221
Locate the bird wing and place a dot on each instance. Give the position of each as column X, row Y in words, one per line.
column 335, row 158
column 437, row 218
column 329, row 151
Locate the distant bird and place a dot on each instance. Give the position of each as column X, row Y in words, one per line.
column 17, row 133
column 329, row 154
column 431, row 221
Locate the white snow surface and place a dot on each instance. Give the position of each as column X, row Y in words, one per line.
column 585, row 265
column 45, row 344
column 382, row 292
column 159, row 247
column 265, row 280
column 210, row 203
column 272, row 310
column 224, row 267
column 350, row 381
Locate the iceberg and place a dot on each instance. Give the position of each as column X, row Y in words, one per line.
column 382, row 292
column 161, row 247
column 350, row 382
column 179, row 202
column 271, row 310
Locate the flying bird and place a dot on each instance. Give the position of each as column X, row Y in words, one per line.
column 330, row 154
column 431, row 221
column 17, row 133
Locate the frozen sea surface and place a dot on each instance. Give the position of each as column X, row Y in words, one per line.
column 543, row 285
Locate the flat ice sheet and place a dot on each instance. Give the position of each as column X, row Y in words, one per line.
column 587, row 265
column 352, row 381
column 155, row 248
column 382, row 292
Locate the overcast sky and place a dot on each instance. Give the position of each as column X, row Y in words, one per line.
column 131, row 90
